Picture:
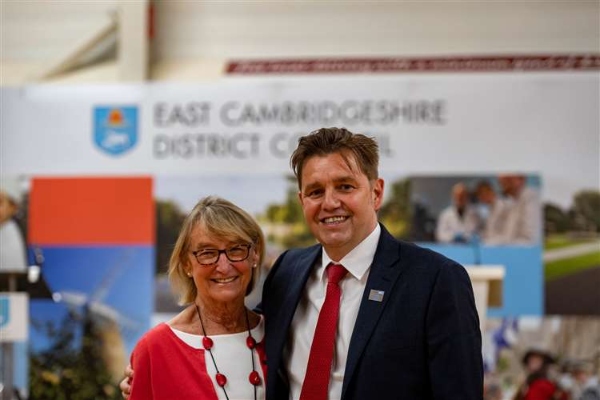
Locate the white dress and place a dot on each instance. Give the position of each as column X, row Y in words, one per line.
column 232, row 356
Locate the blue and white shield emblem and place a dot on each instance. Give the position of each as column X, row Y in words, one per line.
column 4, row 311
column 115, row 129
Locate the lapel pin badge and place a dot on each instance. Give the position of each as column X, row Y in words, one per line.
column 376, row 295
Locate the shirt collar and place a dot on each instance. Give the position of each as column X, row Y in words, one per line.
column 359, row 259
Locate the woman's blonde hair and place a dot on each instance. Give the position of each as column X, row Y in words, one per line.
column 223, row 220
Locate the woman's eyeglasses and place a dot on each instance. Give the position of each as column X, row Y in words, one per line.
column 239, row 252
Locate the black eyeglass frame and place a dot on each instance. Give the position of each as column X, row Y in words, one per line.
column 247, row 246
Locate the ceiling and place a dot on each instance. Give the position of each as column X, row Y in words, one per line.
column 109, row 41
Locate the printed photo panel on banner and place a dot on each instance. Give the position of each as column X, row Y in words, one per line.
column 91, row 211
column 560, row 351
column 486, row 221
column 96, row 235
column 551, row 253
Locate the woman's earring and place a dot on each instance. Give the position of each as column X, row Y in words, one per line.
column 189, row 274
column 255, row 265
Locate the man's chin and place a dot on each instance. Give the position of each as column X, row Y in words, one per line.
column 333, row 241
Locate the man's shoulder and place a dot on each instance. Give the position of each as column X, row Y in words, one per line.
column 290, row 256
column 406, row 248
column 419, row 257
column 529, row 194
column 414, row 250
column 296, row 252
column 9, row 228
column 447, row 211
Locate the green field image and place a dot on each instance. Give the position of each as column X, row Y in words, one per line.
column 572, row 242
column 560, row 241
column 570, row 264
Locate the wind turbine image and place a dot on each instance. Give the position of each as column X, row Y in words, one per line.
column 103, row 327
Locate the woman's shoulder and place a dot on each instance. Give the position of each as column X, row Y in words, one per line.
column 156, row 334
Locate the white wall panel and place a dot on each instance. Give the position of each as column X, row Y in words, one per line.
column 208, row 33
column 343, row 28
column 40, row 30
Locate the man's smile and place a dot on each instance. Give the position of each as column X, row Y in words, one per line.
column 334, row 220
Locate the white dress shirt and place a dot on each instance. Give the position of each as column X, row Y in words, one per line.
column 302, row 329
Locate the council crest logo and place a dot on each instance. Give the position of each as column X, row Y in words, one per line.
column 115, row 129
column 4, row 311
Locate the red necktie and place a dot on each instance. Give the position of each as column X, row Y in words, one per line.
column 318, row 370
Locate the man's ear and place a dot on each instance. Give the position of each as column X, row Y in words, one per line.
column 377, row 190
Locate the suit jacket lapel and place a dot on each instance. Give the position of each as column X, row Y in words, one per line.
column 297, row 274
column 383, row 273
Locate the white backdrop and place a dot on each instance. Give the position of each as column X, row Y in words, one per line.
column 545, row 123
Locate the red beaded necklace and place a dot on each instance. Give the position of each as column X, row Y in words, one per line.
column 221, row 379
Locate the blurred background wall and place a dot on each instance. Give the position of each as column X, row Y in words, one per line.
column 60, row 42
column 111, row 41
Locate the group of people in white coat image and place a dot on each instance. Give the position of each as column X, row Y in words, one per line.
column 511, row 217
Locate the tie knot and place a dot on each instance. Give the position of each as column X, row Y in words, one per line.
column 335, row 272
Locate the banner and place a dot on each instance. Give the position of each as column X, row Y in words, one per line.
column 14, row 313
column 541, row 124
column 544, row 123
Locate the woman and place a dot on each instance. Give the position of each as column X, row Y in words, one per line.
column 539, row 384
column 213, row 348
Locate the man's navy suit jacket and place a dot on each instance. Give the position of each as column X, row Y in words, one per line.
column 422, row 341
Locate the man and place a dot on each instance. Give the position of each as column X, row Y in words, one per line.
column 523, row 212
column 585, row 382
column 407, row 326
column 459, row 221
column 492, row 212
